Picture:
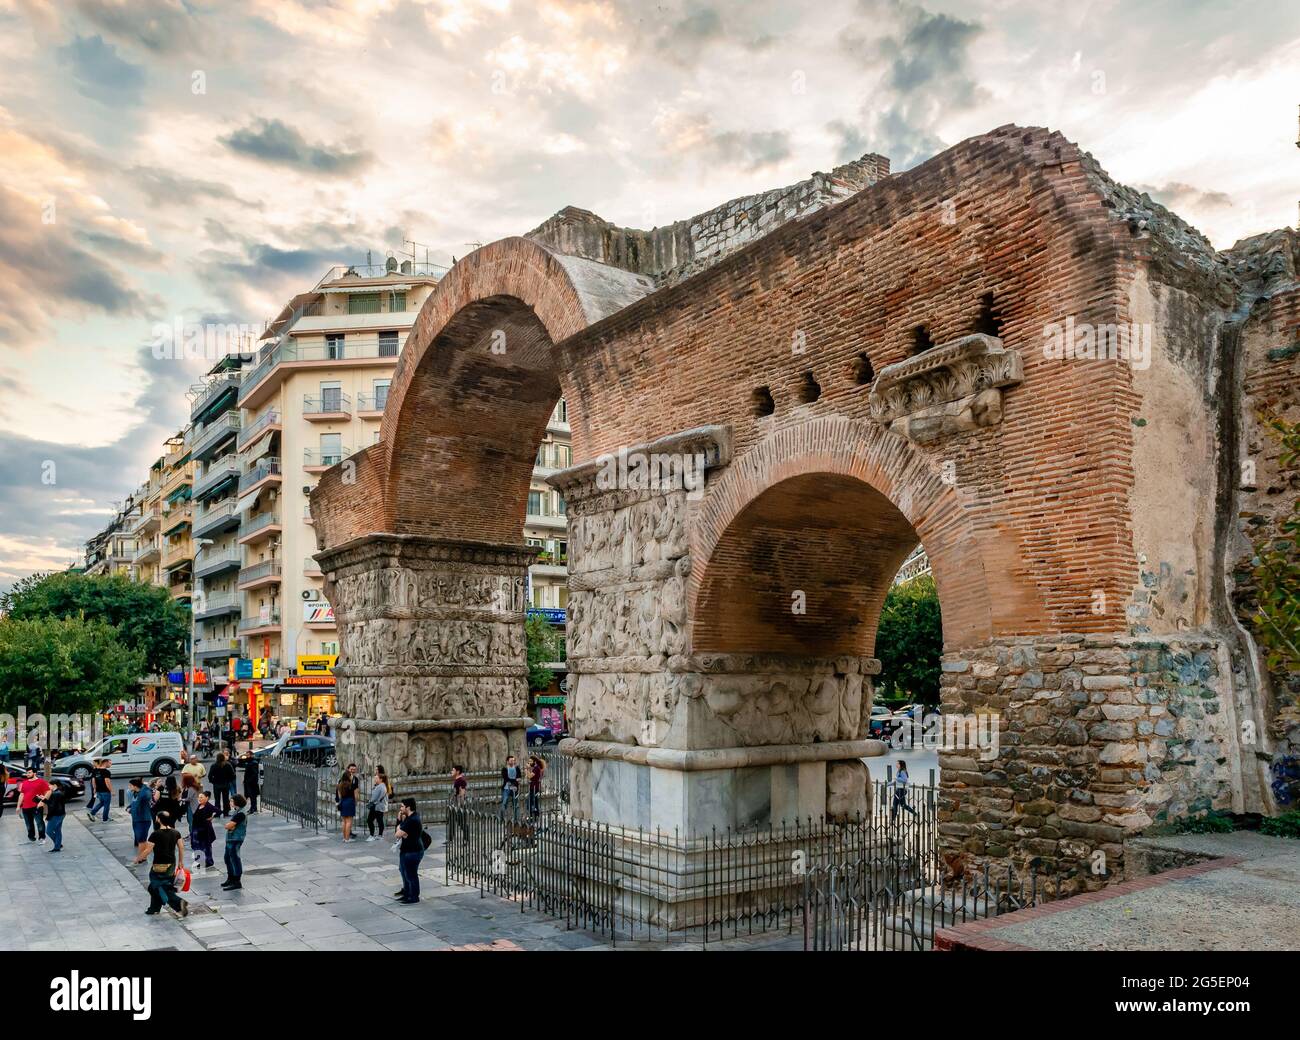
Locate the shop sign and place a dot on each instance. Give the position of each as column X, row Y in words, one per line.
column 317, row 664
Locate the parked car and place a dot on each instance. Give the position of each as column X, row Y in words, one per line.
column 539, row 735
column 301, row 747
column 130, row 754
column 882, row 722
column 71, row 787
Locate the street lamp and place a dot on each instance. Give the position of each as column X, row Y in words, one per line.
column 199, row 545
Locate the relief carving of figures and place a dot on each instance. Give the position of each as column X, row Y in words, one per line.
column 672, row 610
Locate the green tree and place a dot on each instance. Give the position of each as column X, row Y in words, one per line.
column 145, row 616
column 545, row 644
column 64, row 665
column 909, row 641
column 1276, row 565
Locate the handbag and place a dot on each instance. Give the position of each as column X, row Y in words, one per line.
column 183, row 879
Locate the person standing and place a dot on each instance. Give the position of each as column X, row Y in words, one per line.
column 202, row 834
column 30, row 792
column 35, row 757
column 141, row 810
column 346, row 793
column 222, row 776
column 4, row 746
column 252, row 779
column 410, row 850
column 510, row 778
column 536, row 767
column 377, row 804
column 196, row 770
column 457, row 814
column 189, row 798
column 56, row 808
column 168, row 848
column 4, row 783
column 236, row 829
column 101, row 779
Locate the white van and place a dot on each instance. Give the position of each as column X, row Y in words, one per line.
column 129, row 754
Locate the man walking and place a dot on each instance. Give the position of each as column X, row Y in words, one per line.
column 56, row 807
column 102, row 782
column 510, row 778
column 30, row 792
column 141, row 810
column 411, row 850
column 236, row 829
column 167, row 847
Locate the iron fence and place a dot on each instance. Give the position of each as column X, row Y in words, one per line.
column 292, row 789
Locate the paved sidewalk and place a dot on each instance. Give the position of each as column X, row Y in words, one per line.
column 83, row 898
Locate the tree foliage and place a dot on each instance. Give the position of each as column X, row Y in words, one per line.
column 1276, row 617
column 144, row 616
column 909, row 642
column 545, row 644
column 64, row 665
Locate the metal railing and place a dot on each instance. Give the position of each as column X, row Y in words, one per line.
column 208, row 562
column 215, row 474
column 250, row 433
column 327, row 404
column 324, row 456
column 256, row 523
column 213, row 389
column 214, row 431
column 215, row 516
column 217, row 644
column 265, row 468
column 265, row 569
column 310, row 566
column 372, row 402
column 404, row 269
column 210, row 604
column 272, row 617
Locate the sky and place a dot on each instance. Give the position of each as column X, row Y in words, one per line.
column 199, row 161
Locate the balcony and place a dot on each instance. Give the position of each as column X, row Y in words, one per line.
column 183, row 590
column 268, row 572
column 216, row 475
column 179, row 478
column 327, row 407
column 214, row 391
column 217, row 646
column 345, row 273
column 216, row 604
column 362, row 346
column 176, row 517
column 371, row 406
column 146, row 520
column 208, row 563
column 174, row 556
column 265, row 472
column 267, row 423
column 553, row 523
column 310, row 566
column 214, row 434
column 256, row 528
column 266, row 621
column 221, row 516
column 149, row 552
column 318, row 460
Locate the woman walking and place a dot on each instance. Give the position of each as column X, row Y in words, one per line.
column 202, row 833
column 377, row 804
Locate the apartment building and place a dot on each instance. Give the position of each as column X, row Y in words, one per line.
column 314, row 394
column 545, row 525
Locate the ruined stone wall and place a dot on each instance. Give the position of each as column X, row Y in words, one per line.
column 686, row 247
column 1099, row 738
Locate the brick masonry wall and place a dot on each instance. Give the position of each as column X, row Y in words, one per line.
column 1100, row 737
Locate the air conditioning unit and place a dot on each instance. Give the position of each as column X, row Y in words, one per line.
column 310, row 595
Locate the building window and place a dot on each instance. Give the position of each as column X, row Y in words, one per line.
column 534, row 503
column 388, row 344
column 334, row 346
column 563, row 456
column 561, row 413
column 559, row 505
column 397, row 301
column 331, row 397
column 331, row 449
column 363, row 303
column 381, row 392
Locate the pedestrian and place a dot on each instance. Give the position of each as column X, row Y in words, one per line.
column 252, row 784
column 4, row 785
column 510, row 777
column 346, row 794
column 195, row 770
column 900, row 792
column 189, row 797
column 457, row 814
column 35, row 757
column 164, row 802
column 536, row 767
column 55, row 802
column 141, row 810
column 4, row 746
column 412, row 842
column 236, row 829
column 30, row 792
column 168, row 848
column 101, row 779
column 202, row 834
column 222, row 776
column 377, row 804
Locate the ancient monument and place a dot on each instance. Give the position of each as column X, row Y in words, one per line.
column 1047, row 379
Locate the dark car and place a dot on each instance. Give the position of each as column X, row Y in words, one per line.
column 74, row 789
column 310, row 748
column 539, row 734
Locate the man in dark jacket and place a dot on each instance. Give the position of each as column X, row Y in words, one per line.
column 252, row 785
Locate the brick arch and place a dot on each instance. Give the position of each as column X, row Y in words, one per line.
column 863, row 489
column 476, row 382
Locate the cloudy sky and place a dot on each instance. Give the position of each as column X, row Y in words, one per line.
column 201, row 160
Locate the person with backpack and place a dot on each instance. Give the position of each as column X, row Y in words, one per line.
column 413, row 840
column 141, row 810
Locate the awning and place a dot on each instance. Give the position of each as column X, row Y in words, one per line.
column 166, row 706
column 247, row 501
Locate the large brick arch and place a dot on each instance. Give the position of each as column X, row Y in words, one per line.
column 871, row 496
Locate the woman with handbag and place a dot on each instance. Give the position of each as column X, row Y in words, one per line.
column 202, row 833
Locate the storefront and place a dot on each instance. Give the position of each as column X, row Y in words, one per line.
column 306, row 697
